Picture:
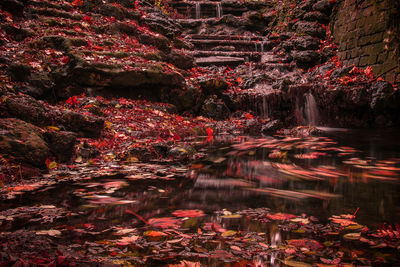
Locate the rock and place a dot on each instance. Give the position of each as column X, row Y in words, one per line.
column 286, row 35
column 93, row 75
column 215, row 108
column 324, row 6
column 252, row 127
column 14, row 7
column 255, row 21
column 19, row 72
column 310, row 28
column 341, row 72
column 38, row 113
column 380, row 92
column 317, row 17
column 161, row 23
column 181, row 152
column 161, row 42
column 23, row 141
column 61, row 144
column 282, row 84
column 179, row 59
column 271, row 127
column 307, row 5
column 17, row 33
column 213, row 86
column 306, row 43
column 307, row 59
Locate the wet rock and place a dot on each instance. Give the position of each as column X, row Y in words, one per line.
column 271, row 127
column 324, row 6
column 380, row 92
column 87, row 151
column 215, row 108
column 213, row 86
column 317, row 17
column 306, row 43
column 282, row 84
column 23, row 141
column 61, row 144
column 311, row 28
column 19, row 72
column 307, row 59
column 252, row 127
column 181, row 152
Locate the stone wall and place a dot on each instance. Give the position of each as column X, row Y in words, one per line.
column 367, row 33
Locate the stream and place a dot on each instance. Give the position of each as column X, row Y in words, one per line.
column 240, row 186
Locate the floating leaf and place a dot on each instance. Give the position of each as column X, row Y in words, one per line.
column 306, row 243
column 228, row 233
column 49, row 232
column 232, row 216
column 296, row 263
column 281, row 216
column 164, row 222
column 188, row 213
column 352, row 236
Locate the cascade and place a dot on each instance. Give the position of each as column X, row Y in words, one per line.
column 219, row 9
column 197, row 6
column 311, row 113
column 262, row 46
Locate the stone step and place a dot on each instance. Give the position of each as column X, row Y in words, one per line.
column 55, row 13
column 48, row 4
column 238, row 45
column 253, row 56
column 224, row 37
column 219, row 61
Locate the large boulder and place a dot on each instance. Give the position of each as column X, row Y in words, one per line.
column 41, row 114
column 23, row 142
column 380, row 93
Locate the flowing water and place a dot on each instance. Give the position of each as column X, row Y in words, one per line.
column 343, row 172
column 311, row 110
column 197, row 10
column 219, row 11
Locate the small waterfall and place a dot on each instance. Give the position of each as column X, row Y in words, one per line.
column 262, row 46
column 197, row 6
column 219, row 9
column 255, row 47
column 311, row 114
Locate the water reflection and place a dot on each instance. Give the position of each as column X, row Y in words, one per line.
column 319, row 176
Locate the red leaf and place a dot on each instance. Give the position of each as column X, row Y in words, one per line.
column 188, row 213
column 87, row 19
column 77, row 3
column 248, row 116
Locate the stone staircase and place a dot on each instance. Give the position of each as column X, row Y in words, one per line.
column 220, row 49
